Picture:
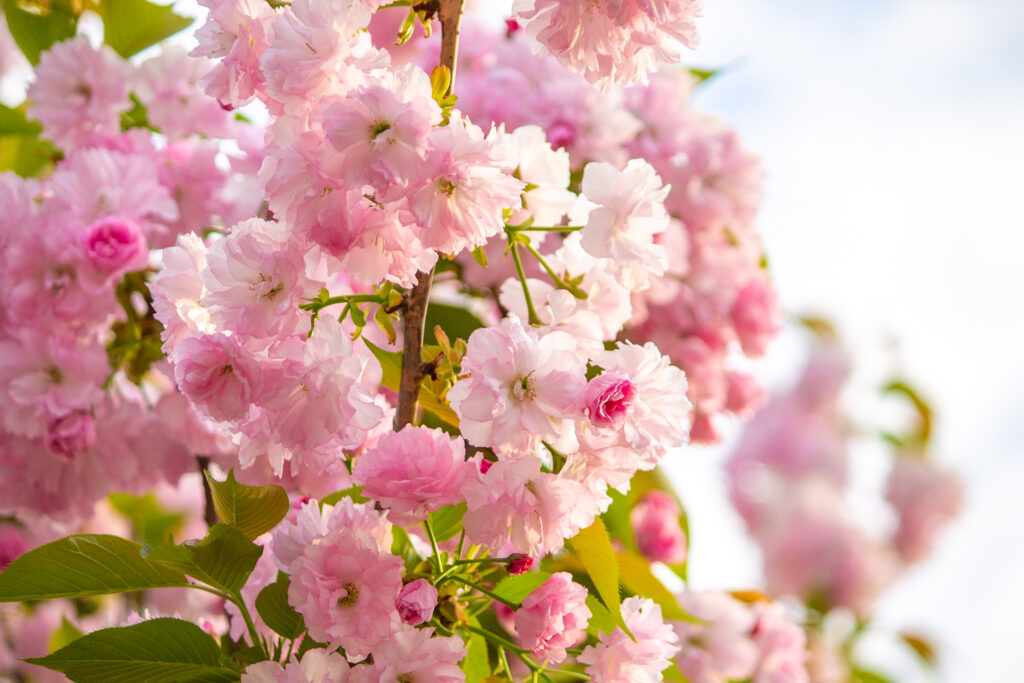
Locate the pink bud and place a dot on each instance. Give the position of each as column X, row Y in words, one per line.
column 743, row 395
column 520, row 564
column 485, row 465
column 659, row 537
column 114, row 245
column 416, row 602
column 608, row 399
column 703, row 430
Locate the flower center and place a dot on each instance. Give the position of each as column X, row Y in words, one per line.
column 522, row 389
column 351, row 595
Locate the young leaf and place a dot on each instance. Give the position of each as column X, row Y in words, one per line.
column 638, row 578
column 155, row 651
column 403, row 548
column 14, row 122
column 35, row 33
column 65, row 634
column 130, row 26
column 476, row 664
column 277, row 613
column 447, row 521
column 593, row 548
column 391, row 373
column 83, row 565
column 353, row 492
column 253, row 510
column 515, row 588
column 601, row 620
column 224, row 559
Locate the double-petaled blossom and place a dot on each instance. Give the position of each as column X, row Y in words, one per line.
column 553, row 617
column 522, row 388
column 413, row 472
column 611, row 41
column 618, row 658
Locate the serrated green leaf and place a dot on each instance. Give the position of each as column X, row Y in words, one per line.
column 83, row 565
column 253, row 510
column 516, row 588
column 601, row 620
column 447, row 521
column 36, row 32
column 224, row 559
column 277, row 613
column 593, row 548
column 130, row 26
column 637, row 577
column 155, row 651
column 352, row 492
column 402, row 547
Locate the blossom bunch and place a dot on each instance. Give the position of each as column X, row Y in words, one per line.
column 427, row 331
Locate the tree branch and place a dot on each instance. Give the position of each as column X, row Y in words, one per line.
column 415, row 310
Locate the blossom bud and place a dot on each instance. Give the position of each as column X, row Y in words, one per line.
column 114, row 245
column 520, row 564
column 608, row 399
column 416, row 602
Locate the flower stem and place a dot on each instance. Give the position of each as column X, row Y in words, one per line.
column 530, row 310
column 490, row 594
column 433, row 544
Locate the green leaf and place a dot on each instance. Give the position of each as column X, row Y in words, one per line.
column 456, row 321
column 14, row 122
column 83, row 565
column 862, row 675
column 36, row 32
column 447, row 521
column 593, row 548
column 65, row 634
column 130, row 26
column 155, row 651
column 476, row 665
column 637, row 578
column 253, row 510
column 277, row 613
column 516, row 588
column 26, row 154
column 224, row 559
column 353, row 492
column 403, row 548
column 391, row 377
column 150, row 522
column 601, row 620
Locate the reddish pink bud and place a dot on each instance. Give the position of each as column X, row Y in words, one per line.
column 520, row 564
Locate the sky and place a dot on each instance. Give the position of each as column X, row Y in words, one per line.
column 892, row 136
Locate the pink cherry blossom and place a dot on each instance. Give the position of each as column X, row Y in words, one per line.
column 236, row 32
column 617, row 658
column 169, row 87
column 553, row 617
column 656, row 529
column 611, row 42
column 79, row 89
column 415, row 655
column 536, row 511
column 783, row 646
column 217, row 375
column 718, row 648
column 522, row 388
column 345, row 588
column 114, row 246
column 316, row 666
column 926, row 497
column 630, row 211
column 413, row 472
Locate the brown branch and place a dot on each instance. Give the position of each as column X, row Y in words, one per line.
column 414, row 312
